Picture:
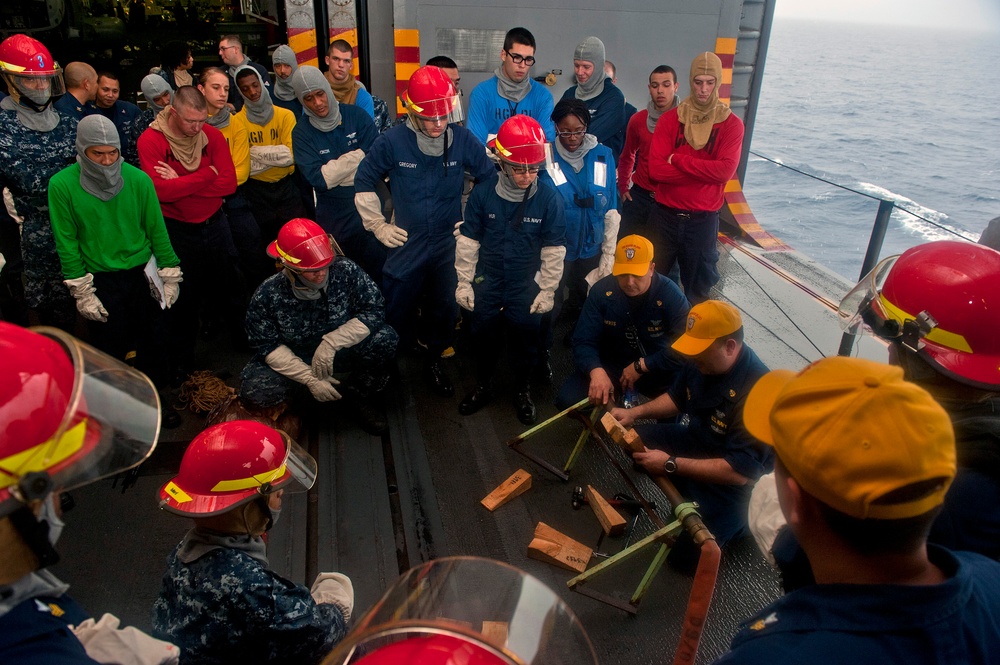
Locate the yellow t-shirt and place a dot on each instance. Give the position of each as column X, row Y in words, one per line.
column 276, row 132
column 239, row 145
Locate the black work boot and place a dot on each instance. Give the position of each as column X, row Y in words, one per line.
column 480, row 396
column 524, row 406
column 437, row 378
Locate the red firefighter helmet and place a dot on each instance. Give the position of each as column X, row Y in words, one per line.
column 430, row 93
column 30, row 72
column 232, row 463
column 302, row 245
column 434, row 650
column 936, row 299
column 520, row 140
column 69, row 415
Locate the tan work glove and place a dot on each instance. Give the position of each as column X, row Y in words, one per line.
column 172, row 278
column 334, row 589
column 340, row 171
column 284, row 361
column 548, row 278
column 466, row 259
column 372, row 219
column 342, row 337
column 612, row 220
column 87, row 302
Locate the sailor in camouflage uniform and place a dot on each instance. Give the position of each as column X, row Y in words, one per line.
column 324, row 310
column 220, row 602
column 36, row 142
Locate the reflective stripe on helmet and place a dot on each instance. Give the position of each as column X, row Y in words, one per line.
column 44, row 456
column 252, row 481
column 936, row 335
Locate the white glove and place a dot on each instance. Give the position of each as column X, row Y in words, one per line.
column 612, row 221
column 342, row 337
column 372, row 219
column 457, row 233
column 106, row 642
column 548, row 278
column 465, row 296
column 172, row 277
column 764, row 515
column 334, row 589
column 466, row 258
column 389, row 235
column 87, row 302
column 3, row 262
column 340, row 171
column 284, row 361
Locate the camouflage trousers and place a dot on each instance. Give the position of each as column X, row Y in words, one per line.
column 43, row 288
column 365, row 367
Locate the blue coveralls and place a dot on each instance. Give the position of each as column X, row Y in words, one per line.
column 586, row 202
column 511, row 238
column 714, row 406
column 28, row 158
column 488, row 110
column 335, row 210
column 427, row 197
column 849, row 624
column 37, row 630
column 615, row 330
column 276, row 317
column 228, row 607
column 607, row 116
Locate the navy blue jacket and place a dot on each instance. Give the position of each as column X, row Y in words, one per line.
column 857, row 624
column 314, row 148
column 509, row 248
column 37, row 631
column 603, row 334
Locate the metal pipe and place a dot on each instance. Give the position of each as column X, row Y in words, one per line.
column 364, row 45
column 875, row 242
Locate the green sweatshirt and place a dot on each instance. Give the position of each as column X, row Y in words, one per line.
column 106, row 236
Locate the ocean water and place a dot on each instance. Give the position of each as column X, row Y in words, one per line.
column 907, row 114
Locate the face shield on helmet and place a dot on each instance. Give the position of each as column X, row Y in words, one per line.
column 431, row 101
column 33, row 78
column 934, row 300
column 448, row 610
column 233, row 463
column 69, row 415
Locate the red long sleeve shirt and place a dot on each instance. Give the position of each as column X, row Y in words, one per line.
column 637, row 138
column 191, row 197
column 694, row 179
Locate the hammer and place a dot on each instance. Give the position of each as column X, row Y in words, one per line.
column 620, row 500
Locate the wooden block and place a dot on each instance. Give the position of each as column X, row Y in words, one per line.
column 613, row 427
column 611, row 520
column 559, row 549
column 633, row 442
column 628, row 439
column 517, row 484
column 495, row 632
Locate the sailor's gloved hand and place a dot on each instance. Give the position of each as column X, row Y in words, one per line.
column 458, row 226
column 342, row 337
column 335, row 589
column 465, row 296
column 543, row 302
column 323, row 389
column 87, row 302
column 389, row 235
column 284, row 361
column 172, row 277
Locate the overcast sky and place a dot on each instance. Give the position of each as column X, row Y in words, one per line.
column 979, row 15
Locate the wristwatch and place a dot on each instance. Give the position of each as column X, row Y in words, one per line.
column 637, row 365
column 670, row 466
